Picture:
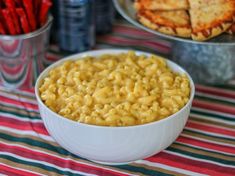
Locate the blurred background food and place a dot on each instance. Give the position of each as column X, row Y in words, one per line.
column 196, row 19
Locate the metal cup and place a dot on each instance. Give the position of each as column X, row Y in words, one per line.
column 23, row 57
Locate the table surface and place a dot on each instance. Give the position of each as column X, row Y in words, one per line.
column 205, row 147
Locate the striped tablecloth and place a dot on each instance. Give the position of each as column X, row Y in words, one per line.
column 205, row 147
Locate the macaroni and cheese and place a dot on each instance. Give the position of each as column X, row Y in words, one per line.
column 115, row 90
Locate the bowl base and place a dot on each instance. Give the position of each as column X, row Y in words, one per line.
column 111, row 164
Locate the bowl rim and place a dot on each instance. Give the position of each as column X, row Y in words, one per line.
column 110, row 51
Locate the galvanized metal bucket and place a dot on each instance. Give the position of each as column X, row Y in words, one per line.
column 22, row 57
column 206, row 63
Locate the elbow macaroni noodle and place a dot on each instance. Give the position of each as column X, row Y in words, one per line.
column 115, row 90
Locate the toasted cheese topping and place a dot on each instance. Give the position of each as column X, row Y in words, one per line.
column 162, row 4
column 212, row 20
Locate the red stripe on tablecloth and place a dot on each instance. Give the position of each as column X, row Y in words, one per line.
column 26, row 105
column 208, row 145
column 191, row 165
column 214, row 106
column 131, row 31
column 145, row 43
column 38, row 156
column 14, row 172
column 210, row 128
column 216, row 91
column 21, row 125
column 119, row 40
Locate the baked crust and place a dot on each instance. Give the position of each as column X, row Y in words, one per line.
column 176, row 23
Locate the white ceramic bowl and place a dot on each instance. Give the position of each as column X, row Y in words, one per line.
column 113, row 145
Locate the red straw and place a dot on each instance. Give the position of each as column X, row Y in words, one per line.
column 2, row 30
column 23, row 19
column 12, row 7
column 9, row 21
column 28, row 5
column 45, row 6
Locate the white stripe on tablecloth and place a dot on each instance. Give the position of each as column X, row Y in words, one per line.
column 199, row 159
column 170, row 168
column 27, row 132
column 46, row 164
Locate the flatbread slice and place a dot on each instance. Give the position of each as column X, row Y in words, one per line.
column 161, row 4
column 210, row 21
column 206, row 3
column 176, row 23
